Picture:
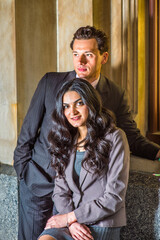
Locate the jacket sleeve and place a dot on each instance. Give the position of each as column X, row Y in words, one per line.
column 139, row 145
column 30, row 128
column 113, row 197
column 62, row 196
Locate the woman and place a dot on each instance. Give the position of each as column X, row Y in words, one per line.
column 91, row 158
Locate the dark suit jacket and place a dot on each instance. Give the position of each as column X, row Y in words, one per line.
column 98, row 200
column 31, row 156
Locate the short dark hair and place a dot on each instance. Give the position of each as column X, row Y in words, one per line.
column 89, row 32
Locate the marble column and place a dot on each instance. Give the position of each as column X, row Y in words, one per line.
column 35, row 48
column 126, row 24
column 70, row 16
column 8, row 94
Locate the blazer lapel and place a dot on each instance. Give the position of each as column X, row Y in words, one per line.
column 69, row 172
column 83, row 175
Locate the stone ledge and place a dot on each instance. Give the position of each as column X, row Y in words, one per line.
column 142, row 207
column 7, row 170
column 144, row 165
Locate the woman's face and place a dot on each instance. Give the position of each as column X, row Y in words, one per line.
column 75, row 110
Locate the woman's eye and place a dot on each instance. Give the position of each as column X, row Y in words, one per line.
column 65, row 106
column 80, row 103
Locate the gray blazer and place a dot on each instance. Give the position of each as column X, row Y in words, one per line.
column 99, row 200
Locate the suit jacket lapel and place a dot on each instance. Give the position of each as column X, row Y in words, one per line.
column 102, row 85
column 70, row 76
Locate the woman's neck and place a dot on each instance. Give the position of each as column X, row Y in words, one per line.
column 82, row 133
column 82, row 136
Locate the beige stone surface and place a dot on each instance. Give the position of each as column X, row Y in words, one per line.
column 43, row 31
column 8, row 106
column 102, row 20
column 70, row 16
column 35, row 48
column 142, row 116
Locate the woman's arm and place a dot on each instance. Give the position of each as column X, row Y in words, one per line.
column 64, row 204
column 62, row 196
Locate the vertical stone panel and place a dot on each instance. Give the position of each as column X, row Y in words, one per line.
column 35, row 47
column 8, row 106
column 124, row 48
column 118, row 56
column 142, row 116
column 102, row 20
column 126, row 24
column 70, row 16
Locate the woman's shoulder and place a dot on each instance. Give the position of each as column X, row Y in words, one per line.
column 117, row 133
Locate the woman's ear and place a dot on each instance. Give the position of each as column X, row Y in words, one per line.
column 105, row 57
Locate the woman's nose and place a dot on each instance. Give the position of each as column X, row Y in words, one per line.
column 73, row 110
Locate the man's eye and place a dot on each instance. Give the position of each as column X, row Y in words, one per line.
column 75, row 54
column 89, row 55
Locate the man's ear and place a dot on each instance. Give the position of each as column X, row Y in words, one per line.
column 105, row 57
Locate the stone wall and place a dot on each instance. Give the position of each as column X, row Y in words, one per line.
column 142, row 206
column 8, row 203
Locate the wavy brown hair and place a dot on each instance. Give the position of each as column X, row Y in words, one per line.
column 99, row 123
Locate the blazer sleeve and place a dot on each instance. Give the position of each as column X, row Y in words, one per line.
column 139, row 145
column 113, row 197
column 30, row 128
column 62, row 196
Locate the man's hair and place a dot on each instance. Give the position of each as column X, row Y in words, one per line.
column 89, row 32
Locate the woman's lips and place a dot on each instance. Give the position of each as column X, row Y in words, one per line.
column 75, row 118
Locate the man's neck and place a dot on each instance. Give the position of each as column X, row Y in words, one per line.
column 93, row 83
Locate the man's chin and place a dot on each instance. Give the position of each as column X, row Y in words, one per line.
column 83, row 75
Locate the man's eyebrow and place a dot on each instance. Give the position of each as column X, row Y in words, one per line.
column 75, row 100
column 89, row 51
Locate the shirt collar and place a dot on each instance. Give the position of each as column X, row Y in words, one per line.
column 94, row 84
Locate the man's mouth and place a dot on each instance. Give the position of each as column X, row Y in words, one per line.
column 82, row 69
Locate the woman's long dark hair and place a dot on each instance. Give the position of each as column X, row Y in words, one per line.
column 62, row 136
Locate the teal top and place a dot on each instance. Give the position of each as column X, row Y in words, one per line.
column 77, row 166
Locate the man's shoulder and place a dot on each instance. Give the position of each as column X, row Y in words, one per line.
column 107, row 85
column 55, row 79
column 111, row 83
column 58, row 75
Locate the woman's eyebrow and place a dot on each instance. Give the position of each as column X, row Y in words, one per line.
column 74, row 101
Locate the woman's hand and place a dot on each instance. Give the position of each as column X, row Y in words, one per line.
column 57, row 221
column 80, row 232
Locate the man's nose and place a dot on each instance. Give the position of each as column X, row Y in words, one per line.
column 82, row 59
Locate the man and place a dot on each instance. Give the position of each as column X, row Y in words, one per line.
column 31, row 156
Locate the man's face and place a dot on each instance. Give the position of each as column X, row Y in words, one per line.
column 87, row 59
